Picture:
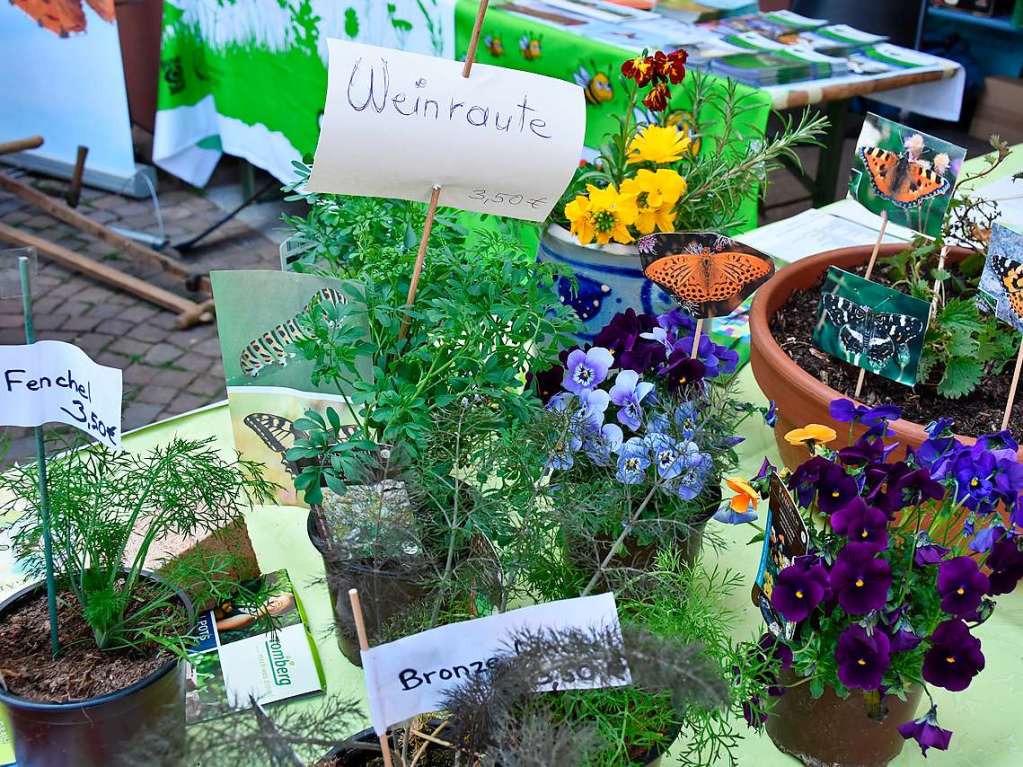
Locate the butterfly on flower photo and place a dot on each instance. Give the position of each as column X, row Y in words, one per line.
column 1002, row 279
column 871, row 326
column 711, row 275
column 904, row 173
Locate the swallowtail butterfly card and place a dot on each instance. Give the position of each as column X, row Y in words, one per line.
column 871, row 326
column 1002, row 279
column 905, row 173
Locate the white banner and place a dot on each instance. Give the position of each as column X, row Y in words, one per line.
column 56, row 381
column 411, row 675
column 396, row 124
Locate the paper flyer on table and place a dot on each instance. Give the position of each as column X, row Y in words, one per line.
column 269, row 383
column 56, row 381
column 396, row 124
column 237, row 659
column 411, row 675
column 809, row 233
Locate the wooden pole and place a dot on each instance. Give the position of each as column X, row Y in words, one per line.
column 937, row 280
column 189, row 312
column 360, row 630
column 474, row 40
column 21, row 145
column 74, row 192
column 44, row 500
column 63, row 212
column 417, row 270
column 696, row 338
column 1012, row 388
column 870, row 271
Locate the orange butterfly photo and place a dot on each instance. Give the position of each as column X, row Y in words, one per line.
column 904, row 173
column 710, row 274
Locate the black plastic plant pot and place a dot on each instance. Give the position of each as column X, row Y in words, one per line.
column 141, row 724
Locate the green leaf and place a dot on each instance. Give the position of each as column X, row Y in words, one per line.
column 962, row 375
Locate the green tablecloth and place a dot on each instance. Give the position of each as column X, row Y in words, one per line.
column 984, row 718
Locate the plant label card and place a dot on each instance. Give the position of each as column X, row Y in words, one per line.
column 1002, row 278
column 907, row 174
column 709, row 273
column 397, row 124
column 871, row 326
column 785, row 539
column 56, row 381
column 410, row 676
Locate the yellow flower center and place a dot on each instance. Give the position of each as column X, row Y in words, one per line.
column 974, row 482
column 960, row 591
column 950, row 659
column 835, row 494
column 861, row 662
column 859, row 583
column 799, row 594
column 864, row 534
column 604, row 221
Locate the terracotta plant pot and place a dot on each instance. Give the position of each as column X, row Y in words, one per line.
column 801, row 398
column 143, row 723
column 610, row 280
column 832, row 732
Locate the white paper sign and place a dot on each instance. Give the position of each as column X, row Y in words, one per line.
column 411, row 675
column 396, row 124
column 56, row 381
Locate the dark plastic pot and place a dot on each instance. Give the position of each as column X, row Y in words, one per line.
column 348, row 756
column 831, row 732
column 383, row 594
column 141, row 724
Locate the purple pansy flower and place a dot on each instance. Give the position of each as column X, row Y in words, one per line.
column 601, row 446
column 864, row 526
column 912, row 488
column 926, row 733
column 628, row 394
column 696, row 466
column 771, row 414
column 668, row 454
column 799, row 588
column 805, row 478
column 547, row 383
column 585, row 371
column 859, row 581
column 681, row 370
column 847, row 411
column 1006, row 564
column 973, row 469
column 985, row 539
column 835, row 488
column 961, row 585
column 623, row 337
column 687, row 418
column 862, row 658
column 954, row 656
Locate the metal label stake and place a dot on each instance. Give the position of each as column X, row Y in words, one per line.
column 44, row 500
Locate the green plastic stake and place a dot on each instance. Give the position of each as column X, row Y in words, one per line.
column 44, row 500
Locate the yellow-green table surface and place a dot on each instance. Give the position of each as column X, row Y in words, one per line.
column 986, row 718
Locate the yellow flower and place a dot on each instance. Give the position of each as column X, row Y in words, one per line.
column 812, row 432
column 658, row 145
column 602, row 215
column 656, row 195
column 745, row 496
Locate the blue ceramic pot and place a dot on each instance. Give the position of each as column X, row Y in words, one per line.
column 609, row 280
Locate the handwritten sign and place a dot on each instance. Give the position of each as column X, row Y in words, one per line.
column 55, row 381
column 411, row 675
column 397, row 124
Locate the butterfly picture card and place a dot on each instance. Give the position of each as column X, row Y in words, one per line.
column 871, row 326
column 1002, row 279
column 709, row 274
column 904, row 174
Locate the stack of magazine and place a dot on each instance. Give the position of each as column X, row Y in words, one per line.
column 762, row 68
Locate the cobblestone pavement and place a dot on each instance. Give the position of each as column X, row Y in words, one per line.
column 166, row 371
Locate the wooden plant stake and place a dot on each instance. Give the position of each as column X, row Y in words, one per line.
column 870, row 271
column 696, row 338
column 1012, row 388
column 431, row 211
column 937, row 281
column 360, row 629
column 44, row 500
